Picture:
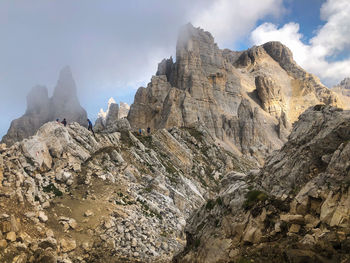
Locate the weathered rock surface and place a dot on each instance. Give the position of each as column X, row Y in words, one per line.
column 67, row 195
column 41, row 109
column 296, row 209
column 247, row 99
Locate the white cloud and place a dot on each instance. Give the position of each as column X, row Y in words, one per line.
column 229, row 20
column 321, row 55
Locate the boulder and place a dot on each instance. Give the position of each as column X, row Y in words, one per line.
column 42, row 217
column 67, row 245
column 11, row 236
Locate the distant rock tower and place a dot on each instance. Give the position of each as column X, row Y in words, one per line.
column 114, row 117
column 41, row 109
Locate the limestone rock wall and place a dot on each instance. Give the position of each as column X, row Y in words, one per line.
column 247, row 98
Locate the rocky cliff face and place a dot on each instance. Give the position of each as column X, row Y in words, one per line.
column 247, row 99
column 296, row 209
column 67, row 195
column 41, row 109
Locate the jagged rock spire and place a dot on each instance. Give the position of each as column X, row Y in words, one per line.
column 41, row 109
column 111, row 120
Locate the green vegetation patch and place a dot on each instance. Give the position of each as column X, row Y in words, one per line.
column 212, row 203
column 169, row 167
column 244, row 260
column 253, row 197
column 147, row 211
column 197, row 242
column 148, row 189
column 125, row 200
column 52, row 189
column 145, row 140
column 171, row 170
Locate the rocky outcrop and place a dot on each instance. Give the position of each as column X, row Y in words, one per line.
column 296, row 209
column 41, row 109
column 272, row 101
column 67, row 194
column 113, row 119
column 247, row 99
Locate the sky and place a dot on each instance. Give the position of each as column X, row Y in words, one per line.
column 113, row 46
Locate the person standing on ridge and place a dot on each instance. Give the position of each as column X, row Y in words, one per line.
column 64, row 122
column 90, row 126
column 149, row 131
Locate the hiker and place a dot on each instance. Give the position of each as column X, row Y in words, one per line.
column 64, row 122
column 140, row 131
column 58, row 120
column 90, row 126
column 148, row 131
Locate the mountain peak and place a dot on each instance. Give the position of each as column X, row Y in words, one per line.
column 37, row 98
column 243, row 97
column 65, row 88
column 188, row 35
column 41, row 109
column 111, row 101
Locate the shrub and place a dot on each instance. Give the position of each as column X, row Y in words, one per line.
column 52, row 189
column 210, row 204
column 253, row 197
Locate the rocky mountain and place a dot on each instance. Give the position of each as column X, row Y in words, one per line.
column 114, row 118
column 343, row 87
column 69, row 196
column 295, row 209
column 41, row 109
column 189, row 191
column 248, row 99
